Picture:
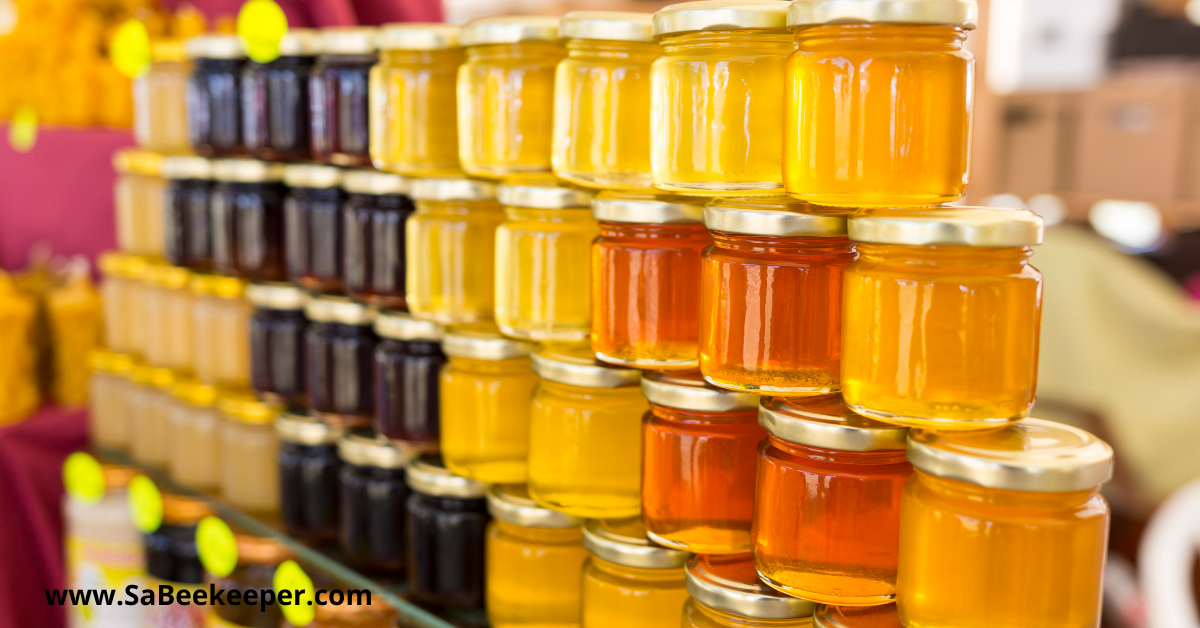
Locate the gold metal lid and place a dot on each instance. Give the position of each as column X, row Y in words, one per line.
column 364, row 451
column 311, row 176
column 374, row 182
column 950, row 226
column 1031, row 455
column 884, row 616
column 276, row 296
column 647, row 209
column 246, row 171
column 576, row 364
column 418, row 36
column 607, row 25
column 186, row 168
column 107, row 361
column 720, row 15
column 156, row 376
column 511, row 503
column 178, row 510
column 167, row 50
column 428, row 475
column 118, row 476
column 402, row 326
column 452, row 189
column 826, row 422
column 195, row 392
column 482, row 341
column 301, row 42
column 167, row 276
column 218, row 286
column 542, row 196
column 964, row 13
column 687, row 390
column 733, row 216
column 509, row 29
column 260, row 550
column 246, row 408
column 349, row 40
column 305, row 430
column 340, row 310
column 137, row 161
column 215, row 46
column 624, row 542
column 730, row 584
column 356, row 613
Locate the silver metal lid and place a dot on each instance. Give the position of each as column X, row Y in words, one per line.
column 276, row 296
column 687, row 390
column 214, row 46
column 740, row 217
column 607, row 25
column 509, row 29
column 311, row 176
column 401, row 326
column 1031, row 455
column 428, row 475
column 300, row 42
column 348, row 40
column 624, row 542
column 366, row 451
column 305, row 430
column 374, row 182
column 826, row 422
column 576, row 364
column 647, row 209
column 418, row 36
column 452, row 189
column 542, row 196
column 883, row 616
column 325, row 309
column 720, row 15
column 246, row 171
column 511, row 503
column 964, row 13
column 482, row 341
column 186, row 168
column 951, row 226
column 730, row 584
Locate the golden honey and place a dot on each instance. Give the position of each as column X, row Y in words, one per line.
column 628, row 581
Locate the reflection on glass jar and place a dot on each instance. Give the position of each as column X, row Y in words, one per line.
column 160, row 99
column 725, row 592
column 373, row 502
column 312, row 226
column 309, row 486
column 187, row 225
column 195, row 446
column 275, row 120
column 220, row 330
column 338, row 96
column 629, row 581
column 373, row 220
column 339, row 355
column 139, row 196
column 277, row 341
column 408, row 363
column 883, row 616
column 247, row 219
column 445, row 511
column 249, row 453
column 109, row 391
column 214, row 98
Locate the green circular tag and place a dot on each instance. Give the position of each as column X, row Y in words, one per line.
column 145, row 504
column 83, row 478
column 290, row 577
column 262, row 25
column 130, row 48
column 216, row 546
column 23, row 129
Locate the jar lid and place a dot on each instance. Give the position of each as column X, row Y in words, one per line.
column 452, row 189
column 365, row 451
column 419, row 36
column 167, row 276
column 118, row 475
column 246, row 408
column 107, row 361
column 624, row 542
column 1031, row 455
column 215, row 46
column 402, row 326
column 509, row 29
column 482, row 341
column 300, row 42
column 186, row 168
column 542, row 196
column 964, row 13
column 744, row 218
column 305, row 430
column 374, row 182
column 179, row 510
column 647, row 209
column 218, row 286
column 311, row 176
column 428, row 475
column 511, row 503
column 607, row 25
column 137, row 161
column 950, row 226
column 375, row 613
column 884, row 616
column 112, row 263
column 730, row 584
column 349, row 40
column 687, row 390
column 246, row 171
column 340, row 310
column 260, row 550
column 167, row 50
column 195, row 392
column 156, row 376
column 782, row 202
column 576, row 364
column 276, row 296
column 826, row 422
column 720, row 15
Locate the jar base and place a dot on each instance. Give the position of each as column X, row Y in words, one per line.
column 500, row 172
column 494, row 472
column 707, row 548
column 419, row 170
column 874, row 600
column 626, row 182
column 877, row 200
column 653, row 365
column 586, row 506
column 450, row 319
column 764, row 188
column 777, row 391
column 543, row 335
column 942, row 424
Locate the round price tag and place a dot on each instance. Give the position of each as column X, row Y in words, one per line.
column 23, row 129
column 145, row 504
column 290, row 577
column 130, row 48
column 216, row 546
column 83, row 478
column 262, row 25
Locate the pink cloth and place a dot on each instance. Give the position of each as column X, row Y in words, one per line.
column 320, row 13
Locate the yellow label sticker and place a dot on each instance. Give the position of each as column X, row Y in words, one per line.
column 83, row 478
column 289, row 576
column 130, row 48
column 145, row 504
column 23, row 129
column 216, row 546
column 262, row 25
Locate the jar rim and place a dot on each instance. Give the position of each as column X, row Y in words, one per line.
column 739, row 217
column 419, row 36
column 647, row 209
column 349, row 40
column 276, row 296
column 339, row 310
column 624, row 542
column 451, row 189
column 542, row 196
column 186, row 167
column 305, row 430
column 402, row 326
column 576, row 364
column 825, row 422
column 950, row 226
column 962, row 13
column 374, row 182
column 246, row 171
column 720, row 15
column 687, row 390
column 364, row 450
column 511, row 503
column 311, row 176
column 428, row 474
column 482, row 341
column 714, row 582
column 137, row 161
column 828, row 616
column 509, row 29
column 607, row 25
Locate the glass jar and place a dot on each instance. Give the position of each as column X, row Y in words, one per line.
column 214, row 95
column 884, row 616
column 168, row 307
column 150, row 415
column 725, row 592
column 827, row 514
column 484, row 396
column 698, row 457
column 373, row 498
column 543, row 257
column 108, row 395
column 584, row 434
column 338, row 92
column 220, row 330
column 942, row 317
column 120, row 296
column 447, row 524
column 247, row 219
column 187, row 225
column 602, row 100
column 534, row 562
column 277, row 342
column 414, row 101
column 717, row 98
column 1016, row 515
column 408, row 364
column 160, row 99
column 309, row 482
column 172, row 560
column 195, row 445
column 139, row 195
column 373, row 218
column 257, row 559
column 339, row 355
column 249, row 453
column 629, row 581
column 862, row 129
column 450, row 247
column 646, row 281
column 771, row 294
column 275, row 121
column 506, row 95
column 312, row 226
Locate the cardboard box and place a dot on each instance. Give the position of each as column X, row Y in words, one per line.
column 1035, row 155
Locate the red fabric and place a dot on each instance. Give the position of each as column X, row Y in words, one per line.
column 321, row 13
